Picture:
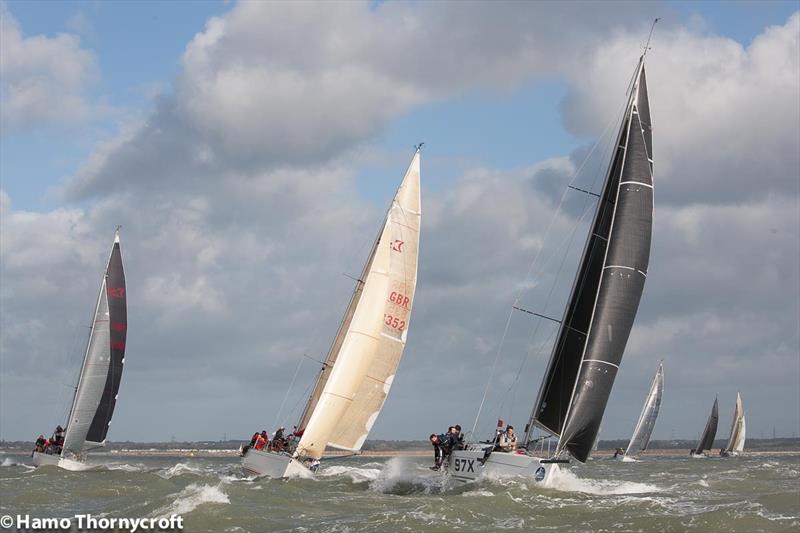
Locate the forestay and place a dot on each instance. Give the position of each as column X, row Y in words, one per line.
column 647, row 418
column 101, row 371
column 366, row 352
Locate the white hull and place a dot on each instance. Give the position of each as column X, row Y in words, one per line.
column 466, row 465
column 274, row 465
column 43, row 459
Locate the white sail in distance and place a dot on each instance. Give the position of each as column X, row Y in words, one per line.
column 373, row 334
column 736, row 439
column 647, row 419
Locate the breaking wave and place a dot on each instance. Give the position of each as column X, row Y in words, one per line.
column 566, row 480
column 191, row 497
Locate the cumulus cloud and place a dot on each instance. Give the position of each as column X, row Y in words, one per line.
column 240, row 211
column 270, row 85
column 737, row 110
column 44, row 79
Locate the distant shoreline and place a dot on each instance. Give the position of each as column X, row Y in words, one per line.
column 209, row 453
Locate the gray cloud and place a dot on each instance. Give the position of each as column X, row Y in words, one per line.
column 237, row 227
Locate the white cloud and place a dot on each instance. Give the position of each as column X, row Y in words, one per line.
column 44, row 79
column 725, row 116
column 240, row 211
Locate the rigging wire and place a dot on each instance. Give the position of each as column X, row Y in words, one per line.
column 534, row 262
column 286, row 396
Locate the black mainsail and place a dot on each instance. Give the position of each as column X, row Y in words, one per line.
column 101, row 371
column 607, row 288
column 710, row 432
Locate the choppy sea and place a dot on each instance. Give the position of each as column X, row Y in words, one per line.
column 751, row 493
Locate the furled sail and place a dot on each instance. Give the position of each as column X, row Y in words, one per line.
column 647, row 419
column 736, row 439
column 706, row 441
column 364, row 356
column 606, row 291
column 101, row 372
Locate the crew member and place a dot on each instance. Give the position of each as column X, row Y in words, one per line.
column 262, row 440
column 507, row 441
column 436, row 442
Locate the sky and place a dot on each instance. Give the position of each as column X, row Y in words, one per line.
column 249, row 151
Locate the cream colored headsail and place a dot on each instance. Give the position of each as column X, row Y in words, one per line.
column 736, row 440
column 373, row 344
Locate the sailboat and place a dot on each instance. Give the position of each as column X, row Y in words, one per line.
column 706, row 441
column 599, row 315
column 736, row 440
column 101, row 372
column 359, row 369
column 647, row 419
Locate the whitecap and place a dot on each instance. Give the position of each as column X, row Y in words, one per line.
column 191, row 497
column 565, row 480
column 180, row 469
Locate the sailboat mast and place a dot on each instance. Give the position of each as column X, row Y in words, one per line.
column 333, row 351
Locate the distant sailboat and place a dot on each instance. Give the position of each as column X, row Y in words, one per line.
column 647, row 419
column 363, row 358
column 101, row 372
column 736, row 440
column 706, row 441
column 599, row 315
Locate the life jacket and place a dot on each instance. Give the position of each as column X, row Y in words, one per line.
column 260, row 442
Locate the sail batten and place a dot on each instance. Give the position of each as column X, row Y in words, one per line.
column 366, row 352
column 606, row 291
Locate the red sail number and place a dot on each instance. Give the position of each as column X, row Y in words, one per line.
column 399, row 299
column 116, row 292
column 394, row 322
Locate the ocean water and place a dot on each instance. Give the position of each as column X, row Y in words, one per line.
column 751, row 493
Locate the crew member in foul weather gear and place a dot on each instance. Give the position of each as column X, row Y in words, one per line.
column 618, row 452
column 459, row 438
column 39, row 446
column 278, row 442
column 261, row 441
column 436, row 442
column 507, row 441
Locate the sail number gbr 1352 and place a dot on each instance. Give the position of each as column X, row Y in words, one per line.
column 394, row 322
